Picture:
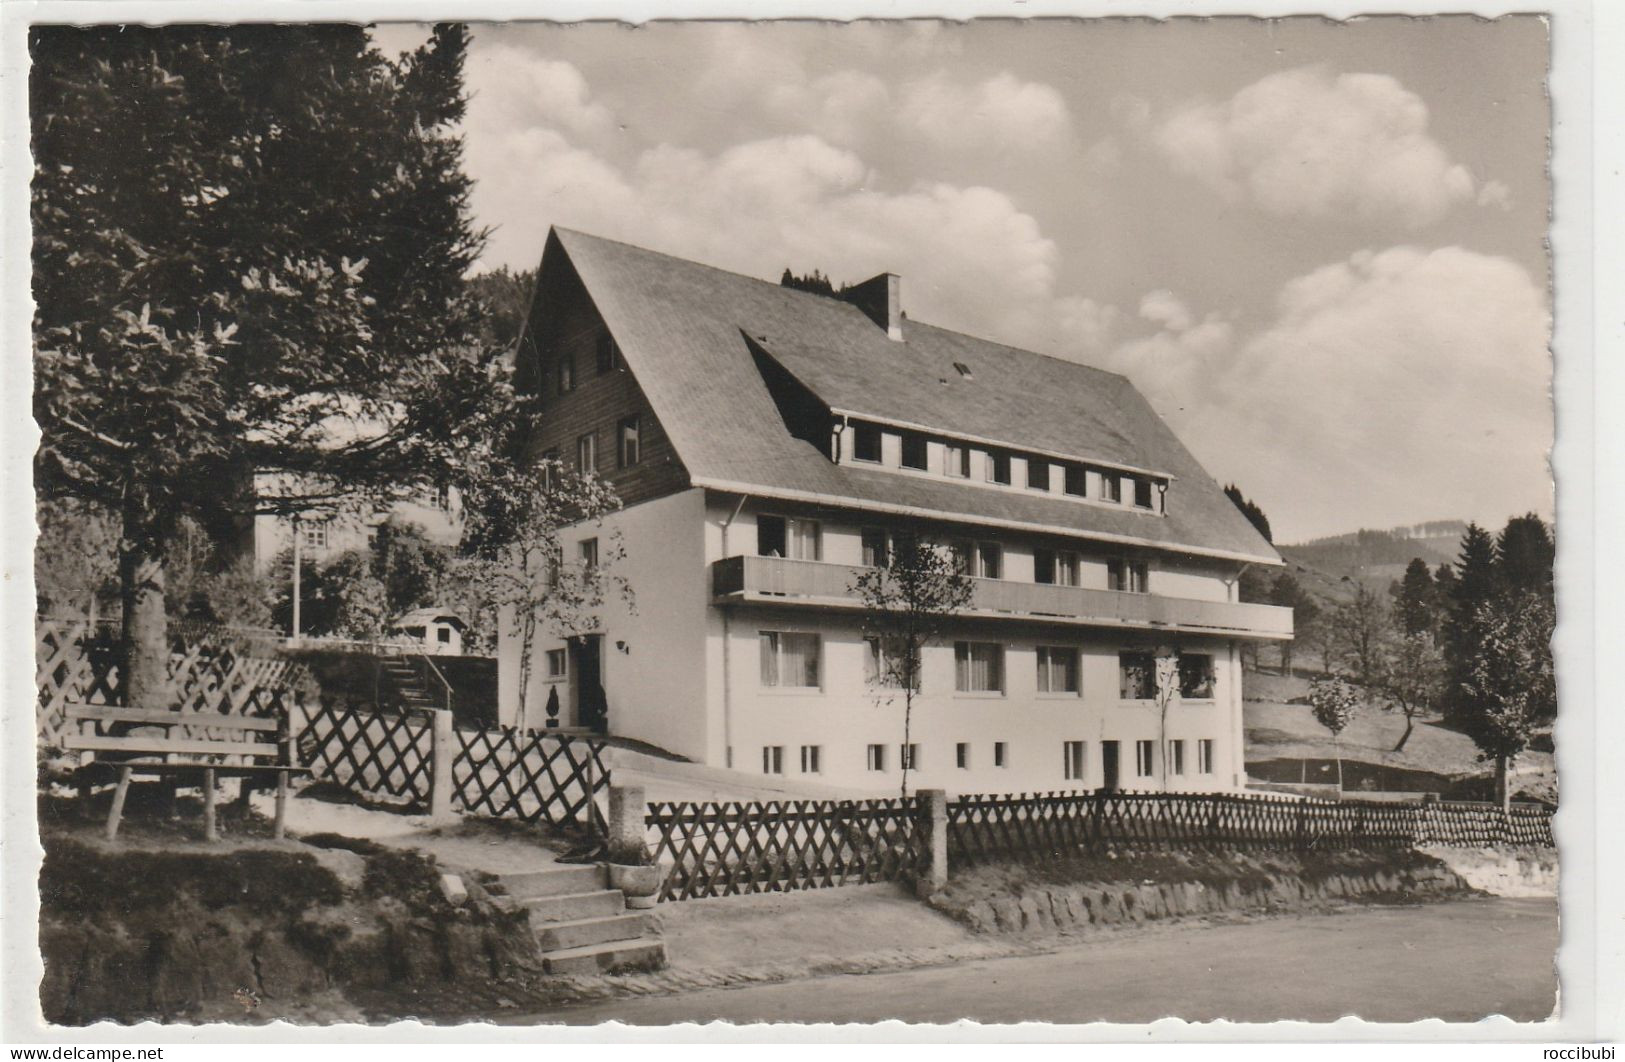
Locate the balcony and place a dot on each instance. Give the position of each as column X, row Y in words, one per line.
column 773, row 580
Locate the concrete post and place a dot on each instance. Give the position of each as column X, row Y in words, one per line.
column 627, row 809
column 443, row 749
column 934, row 823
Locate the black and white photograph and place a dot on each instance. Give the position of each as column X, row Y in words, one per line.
column 552, row 523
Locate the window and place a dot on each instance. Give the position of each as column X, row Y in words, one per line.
column 443, row 635
column 1111, row 487
column 557, row 663
column 983, row 560
column 587, row 553
column 909, row 757
column 1129, row 577
column 1136, row 676
column 772, row 759
column 1196, row 676
column 998, row 468
column 313, row 536
column 1176, row 756
column 962, row 369
column 1142, row 492
column 962, row 755
column 550, row 464
column 978, row 667
column 609, row 353
column 885, row 665
column 880, row 545
column 956, row 461
column 914, row 449
column 877, row 757
column 809, row 758
column 1055, row 567
column 999, row 757
column 1072, row 762
column 1077, row 481
column 789, row 659
column 865, row 442
column 567, row 373
column 1143, row 752
column 630, row 446
column 587, row 453
column 1057, row 669
column 787, row 536
column 1204, row 756
column 1037, row 473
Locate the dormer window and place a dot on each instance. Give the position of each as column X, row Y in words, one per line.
column 1037, row 473
column 998, row 468
column 1142, row 492
column 914, row 451
column 1111, row 488
column 866, row 443
column 956, row 461
column 1077, row 481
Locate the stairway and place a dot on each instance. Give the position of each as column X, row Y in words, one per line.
column 582, row 925
column 410, row 692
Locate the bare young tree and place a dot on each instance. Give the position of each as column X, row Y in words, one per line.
column 908, row 602
column 1412, row 677
column 1167, row 685
column 1362, row 633
column 1334, row 702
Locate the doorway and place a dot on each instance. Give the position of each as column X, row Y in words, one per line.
column 587, row 663
column 1108, row 765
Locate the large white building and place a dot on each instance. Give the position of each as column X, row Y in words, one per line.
column 769, row 443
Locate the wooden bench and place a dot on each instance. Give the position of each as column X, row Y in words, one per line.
column 185, row 743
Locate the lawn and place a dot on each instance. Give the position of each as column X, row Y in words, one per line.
column 1285, row 744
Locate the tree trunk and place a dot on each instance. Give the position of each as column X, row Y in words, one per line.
column 527, row 645
column 1503, row 787
column 1337, row 751
column 144, row 636
column 1410, row 724
column 908, row 713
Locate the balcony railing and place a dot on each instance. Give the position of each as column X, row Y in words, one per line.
column 776, row 580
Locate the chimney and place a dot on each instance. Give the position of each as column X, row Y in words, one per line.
column 880, row 300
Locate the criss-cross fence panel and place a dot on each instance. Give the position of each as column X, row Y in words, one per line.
column 552, row 778
column 727, row 849
column 368, row 751
column 1054, row 825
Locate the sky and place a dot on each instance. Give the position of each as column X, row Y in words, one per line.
column 1317, row 248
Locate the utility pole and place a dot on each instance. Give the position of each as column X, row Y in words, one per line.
column 298, row 535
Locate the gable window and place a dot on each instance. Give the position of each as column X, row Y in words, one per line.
column 1196, row 676
column 885, row 664
column 313, row 536
column 567, row 373
column 1175, row 753
column 609, row 354
column 787, row 536
column 1072, row 761
column 1143, row 753
column 998, row 468
column 1204, row 756
column 865, row 443
column 1077, row 481
column 587, row 552
column 1142, row 492
column 956, row 461
column 1136, row 676
column 1055, row 567
column 628, row 435
column 789, row 659
column 1037, row 473
column 914, row 450
column 1057, row 669
column 1128, row 577
column 980, row 560
column 587, row 453
column 1111, row 487
column 978, row 667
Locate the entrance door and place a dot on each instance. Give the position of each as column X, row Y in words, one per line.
column 1108, row 764
column 587, row 660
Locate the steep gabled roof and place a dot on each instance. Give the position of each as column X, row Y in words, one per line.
column 684, row 330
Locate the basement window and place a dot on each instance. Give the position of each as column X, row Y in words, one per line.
column 877, row 757
column 1204, row 756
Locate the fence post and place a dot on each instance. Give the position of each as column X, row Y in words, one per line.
column 933, row 808
column 443, row 749
column 627, row 810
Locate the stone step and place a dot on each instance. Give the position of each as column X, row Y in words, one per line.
column 646, row 953
column 571, row 907
column 560, row 936
column 554, row 881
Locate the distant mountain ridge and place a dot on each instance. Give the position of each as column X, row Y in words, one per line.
column 1374, row 557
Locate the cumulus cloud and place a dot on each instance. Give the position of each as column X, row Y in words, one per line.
column 540, row 93
column 1001, row 113
column 1389, row 370
column 1309, row 143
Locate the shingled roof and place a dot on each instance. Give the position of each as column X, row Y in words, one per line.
column 685, row 330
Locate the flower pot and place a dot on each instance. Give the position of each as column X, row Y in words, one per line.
column 638, row 883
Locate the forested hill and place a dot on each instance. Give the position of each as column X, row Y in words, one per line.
column 1367, row 552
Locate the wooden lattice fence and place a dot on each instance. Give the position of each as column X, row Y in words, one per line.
column 536, row 776
column 75, row 663
column 727, row 849
column 367, row 751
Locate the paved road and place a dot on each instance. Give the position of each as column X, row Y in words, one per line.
column 1459, row 961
